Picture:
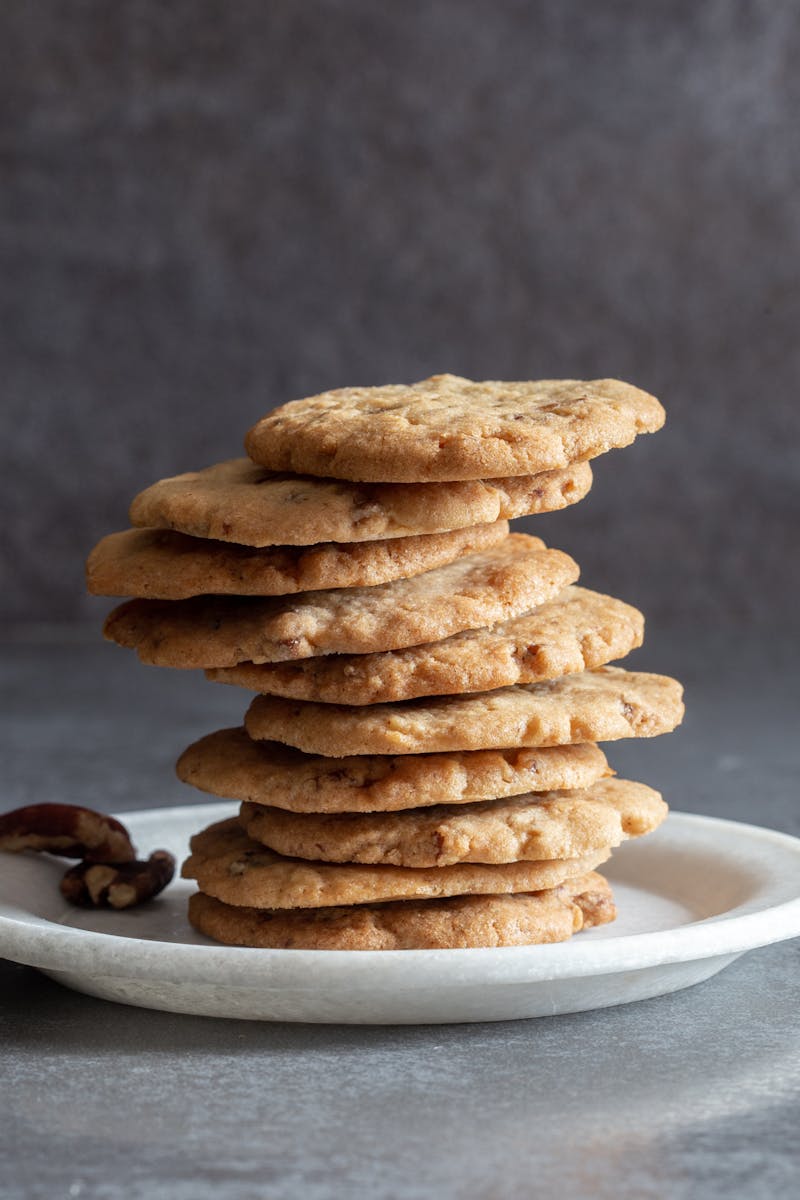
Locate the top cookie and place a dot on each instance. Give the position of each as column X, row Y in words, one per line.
column 449, row 428
column 238, row 501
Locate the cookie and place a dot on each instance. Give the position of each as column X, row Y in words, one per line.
column 449, row 428
column 163, row 565
column 523, row 919
column 238, row 501
column 229, row 763
column 219, row 631
column 230, row 866
column 532, row 827
column 577, row 630
column 600, row 705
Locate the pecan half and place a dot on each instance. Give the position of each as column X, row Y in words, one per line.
column 68, row 830
column 105, row 885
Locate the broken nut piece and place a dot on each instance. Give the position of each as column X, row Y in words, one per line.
column 121, row 885
column 68, row 830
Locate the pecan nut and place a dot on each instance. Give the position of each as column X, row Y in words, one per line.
column 120, row 885
column 67, row 830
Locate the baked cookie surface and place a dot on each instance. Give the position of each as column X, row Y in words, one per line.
column 219, row 631
column 230, row 866
column 459, row 923
column 239, row 501
column 530, row 827
column 450, row 428
column 575, row 631
column 161, row 564
column 229, row 763
column 603, row 704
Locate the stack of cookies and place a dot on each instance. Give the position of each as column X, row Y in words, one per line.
column 419, row 766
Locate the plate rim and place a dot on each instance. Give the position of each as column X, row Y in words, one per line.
column 53, row 947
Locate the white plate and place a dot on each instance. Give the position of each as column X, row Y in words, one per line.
column 692, row 897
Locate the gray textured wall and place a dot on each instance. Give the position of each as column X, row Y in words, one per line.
column 208, row 208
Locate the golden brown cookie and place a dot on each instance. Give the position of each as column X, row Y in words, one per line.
column 219, row 631
column 238, row 501
column 577, row 630
column 532, row 827
column 163, row 565
column 600, row 705
column 448, row 428
column 230, row 866
column 523, row 919
column 229, row 763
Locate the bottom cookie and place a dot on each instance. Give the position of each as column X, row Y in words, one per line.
column 459, row 922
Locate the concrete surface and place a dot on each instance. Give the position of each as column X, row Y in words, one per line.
column 691, row 1095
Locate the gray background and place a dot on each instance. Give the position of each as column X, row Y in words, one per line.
column 210, row 208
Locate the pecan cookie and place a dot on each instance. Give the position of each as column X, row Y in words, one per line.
column 238, row 501
column 449, row 428
column 230, row 866
column 219, row 631
column 229, row 763
column 523, row 919
column 577, row 630
column 531, row 827
column 161, row 564
column 600, row 705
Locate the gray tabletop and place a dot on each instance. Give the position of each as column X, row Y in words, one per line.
column 693, row 1094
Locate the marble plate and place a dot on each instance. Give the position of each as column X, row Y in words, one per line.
column 692, row 898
